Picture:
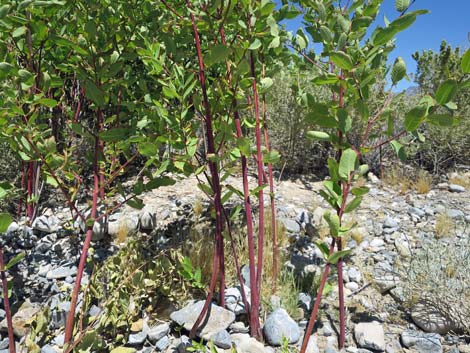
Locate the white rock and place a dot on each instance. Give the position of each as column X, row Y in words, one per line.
column 370, row 335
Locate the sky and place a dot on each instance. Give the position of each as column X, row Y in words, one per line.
column 448, row 20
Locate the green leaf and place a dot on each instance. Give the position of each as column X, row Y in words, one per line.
column 244, row 145
column 441, row 119
column 347, row 163
column 18, row 32
column 342, row 60
column 25, row 75
column 398, row 70
column 333, row 167
column 334, row 258
column 114, row 134
column 446, row 91
column 217, row 54
column 360, row 191
column 465, row 63
column 353, row 204
column 318, row 135
column 95, row 94
column 323, row 247
column 325, row 79
column 255, row 44
column 48, row 102
column 415, row 117
column 136, row 203
column 333, row 222
column 272, row 157
column 148, row 149
column 344, row 120
column 17, row 258
column 5, row 221
column 402, row 5
column 399, row 150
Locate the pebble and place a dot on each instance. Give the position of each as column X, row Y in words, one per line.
column 422, row 342
column 370, row 335
column 456, row 188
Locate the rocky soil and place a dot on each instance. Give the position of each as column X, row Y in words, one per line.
column 391, row 228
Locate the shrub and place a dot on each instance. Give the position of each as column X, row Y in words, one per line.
column 437, row 278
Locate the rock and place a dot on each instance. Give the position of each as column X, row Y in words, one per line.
column 370, row 335
column 94, row 311
column 390, row 223
column 148, row 219
column 275, row 302
column 422, row 342
column 4, row 343
column 372, row 178
column 354, row 275
column 157, row 332
column 290, row 225
column 99, row 228
column 218, row 318
column 454, row 214
column 62, row 272
column 456, row 188
column 184, row 344
column 312, row 346
column 234, row 299
column 430, row 319
column 136, row 339
column 352, row 286
column 304, row 217
column 48, row 349
column 119, row 225
column 222, row 339
column 46, row 224
column 239, row 327
column 417, row 212
column 22, row 318
column 162, row 343
column 377, row 243
column 246, row 344
column 279, row 324
column 245, row 270
column 305, row 301
column 12, row 228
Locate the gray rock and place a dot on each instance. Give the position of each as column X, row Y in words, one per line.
column 354, row 274
column 48, row 349
column 118, row 223
column 453, row 213
column 46, row 224
column 99, row 228
column 59, row 340
column 415, row 211
column 422, row 342
column 136, row 339
column 4, row 343
column 312, row 346
column 184, row 344
column 305, row 301
column 157, row 332
column 245, row 270
column 234, row 299
column 352, row 286
column 12, row 228
column 22, row 318
column 390, row 223
column 290, row 225
column 222, row 339
column 62, row 272
column 239, row 327
column 94, row 311
column 456, row 188
column 279, row 324
column 148, row 219
column 377, row 243
column 247, row 344
column 304, row 217
column 218, row 318
column 370, row 335
column 162, row 343
column 429, row 319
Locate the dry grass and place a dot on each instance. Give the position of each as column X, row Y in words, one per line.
column 123, row 232
column 461, row 179
column 444, row 225
column 423, row 183
column 198, row 207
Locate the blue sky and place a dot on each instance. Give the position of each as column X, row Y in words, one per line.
column 448, row 20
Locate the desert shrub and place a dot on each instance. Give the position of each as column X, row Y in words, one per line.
column 437, row 278
column 9, row 171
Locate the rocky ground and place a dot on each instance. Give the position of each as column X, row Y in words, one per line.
column 392, row 228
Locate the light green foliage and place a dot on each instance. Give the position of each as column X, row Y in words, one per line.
column 444, row 74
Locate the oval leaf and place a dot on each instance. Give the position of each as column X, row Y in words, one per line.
column 5, row 221
column 398, row 70
column 342, row 60
column 318, row 135
column 465, row 63
column 446, row 92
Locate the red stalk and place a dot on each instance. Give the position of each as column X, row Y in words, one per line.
column 86, row 246
column 6, row 304
column 316, row 305
column 215, row 183
column 253, row 315
column 256, row 304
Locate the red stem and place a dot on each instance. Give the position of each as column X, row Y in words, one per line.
column 253, row 315
column 6, row 304
column 316, row 304
column 218, row 248
column 86, row 246
column 259, row 269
